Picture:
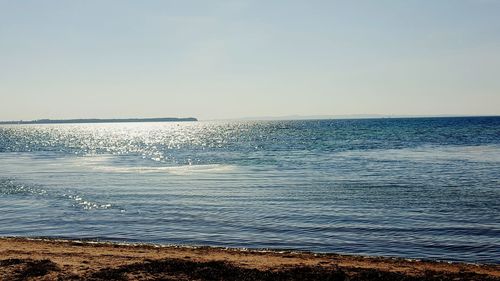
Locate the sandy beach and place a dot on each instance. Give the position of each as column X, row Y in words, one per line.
column 41, row 259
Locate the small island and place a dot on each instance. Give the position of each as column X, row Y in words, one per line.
column 93, row 120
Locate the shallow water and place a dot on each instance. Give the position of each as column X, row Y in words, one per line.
column 419, row 188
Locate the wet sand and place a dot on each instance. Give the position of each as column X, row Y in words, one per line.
column 39, row 259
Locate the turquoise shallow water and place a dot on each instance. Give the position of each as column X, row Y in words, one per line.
column 419, row 188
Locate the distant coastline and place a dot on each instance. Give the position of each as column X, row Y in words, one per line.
column 94, row 120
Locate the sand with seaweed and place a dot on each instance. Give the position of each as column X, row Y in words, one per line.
column 43, row 259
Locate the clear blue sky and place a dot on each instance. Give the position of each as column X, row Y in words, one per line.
column 237, row 58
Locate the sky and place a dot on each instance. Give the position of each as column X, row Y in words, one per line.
column 223, row 59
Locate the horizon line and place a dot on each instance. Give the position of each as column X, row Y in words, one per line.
column 251, row 118
column 349, row 116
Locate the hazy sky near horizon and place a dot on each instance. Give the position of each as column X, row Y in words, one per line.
column 239, row 58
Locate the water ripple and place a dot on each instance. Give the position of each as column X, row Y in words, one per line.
column 419, row 188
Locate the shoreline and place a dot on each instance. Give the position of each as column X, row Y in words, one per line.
column 53, row 259
column 154, row 245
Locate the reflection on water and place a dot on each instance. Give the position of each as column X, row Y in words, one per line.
column 407, row 187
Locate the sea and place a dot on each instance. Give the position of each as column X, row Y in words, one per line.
column 420, row 188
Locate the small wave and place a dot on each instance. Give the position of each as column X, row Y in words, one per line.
column 184, row 169
column 13, row 187
column 482, row 153
column 80, row 201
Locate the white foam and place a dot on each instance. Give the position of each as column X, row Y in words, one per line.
column 182, row 169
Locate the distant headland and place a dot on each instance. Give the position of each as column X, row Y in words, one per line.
column 93, row 120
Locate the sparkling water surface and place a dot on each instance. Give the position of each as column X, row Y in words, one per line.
column 417, row 188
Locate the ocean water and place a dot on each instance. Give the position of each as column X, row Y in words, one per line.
column 418, row 188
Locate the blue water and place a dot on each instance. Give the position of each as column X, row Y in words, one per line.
column 417, row 188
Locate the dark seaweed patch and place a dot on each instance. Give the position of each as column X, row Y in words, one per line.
column 22, row 269
column 179, row 269
column 215, row 270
